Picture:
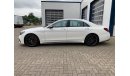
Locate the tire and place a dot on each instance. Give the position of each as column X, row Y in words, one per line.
column 31, row 40
column 91, row 40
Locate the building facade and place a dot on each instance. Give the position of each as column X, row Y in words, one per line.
column 100, row 12
column 55, row 10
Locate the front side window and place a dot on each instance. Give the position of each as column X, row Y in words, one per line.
column 60, row 24
column 76, row 23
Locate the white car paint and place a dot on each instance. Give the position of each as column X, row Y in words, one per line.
column 66, row 34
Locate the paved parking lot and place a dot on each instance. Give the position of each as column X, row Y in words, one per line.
column 64, row 59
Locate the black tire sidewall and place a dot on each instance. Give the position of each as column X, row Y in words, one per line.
column 91, row 44
column 26, row 40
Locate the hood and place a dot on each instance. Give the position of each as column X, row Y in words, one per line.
column 34, row 29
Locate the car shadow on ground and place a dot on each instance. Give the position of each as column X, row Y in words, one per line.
column 70, row 44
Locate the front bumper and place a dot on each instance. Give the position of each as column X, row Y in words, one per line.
column 21, row 39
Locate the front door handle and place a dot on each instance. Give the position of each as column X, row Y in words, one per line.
column 64, row 29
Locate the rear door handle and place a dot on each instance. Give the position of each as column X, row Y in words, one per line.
column 86, row 28
column 64, row 28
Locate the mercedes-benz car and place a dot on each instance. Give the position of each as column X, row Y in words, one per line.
column 65, row 31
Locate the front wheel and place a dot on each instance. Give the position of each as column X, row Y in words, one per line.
column 91, row 40
column 31, row 40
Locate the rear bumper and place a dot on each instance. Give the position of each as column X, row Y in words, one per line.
column 108, row 39
column 104, row 37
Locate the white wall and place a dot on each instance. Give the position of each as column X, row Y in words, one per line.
column 71, row 10
column 107, row 13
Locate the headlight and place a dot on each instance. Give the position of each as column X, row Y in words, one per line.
column 22, row 32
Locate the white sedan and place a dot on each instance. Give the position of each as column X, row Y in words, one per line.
column 65, row 30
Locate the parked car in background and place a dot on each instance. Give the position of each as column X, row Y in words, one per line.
column 18, row 21
column 65, row 31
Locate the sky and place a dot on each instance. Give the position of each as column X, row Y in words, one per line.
column 24, row 7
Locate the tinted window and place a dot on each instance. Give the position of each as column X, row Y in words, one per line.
column 75, row 23
column 60, row 24
column 85, row 24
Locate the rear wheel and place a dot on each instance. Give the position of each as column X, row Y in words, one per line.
column 91, row 40
column 31, row 40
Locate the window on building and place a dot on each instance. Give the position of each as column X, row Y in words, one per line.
column 84, row 13
column 52, row 15
column 96, row 13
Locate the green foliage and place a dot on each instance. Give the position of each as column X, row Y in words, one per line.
column 31, row 19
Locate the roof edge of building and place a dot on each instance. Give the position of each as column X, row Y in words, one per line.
column 62, row 1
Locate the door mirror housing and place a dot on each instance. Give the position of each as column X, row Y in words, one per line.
column 50, row 27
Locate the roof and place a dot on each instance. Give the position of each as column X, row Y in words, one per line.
column 16, row 15
column 90, row 23
column 63, row 1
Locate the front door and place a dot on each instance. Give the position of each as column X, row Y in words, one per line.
column 57, row 33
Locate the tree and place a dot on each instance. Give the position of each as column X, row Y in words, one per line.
column 31, row 19
column 25, row 19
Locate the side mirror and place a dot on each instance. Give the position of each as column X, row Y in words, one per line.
column 50, row 27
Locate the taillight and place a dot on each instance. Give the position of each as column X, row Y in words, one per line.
column 106, row 29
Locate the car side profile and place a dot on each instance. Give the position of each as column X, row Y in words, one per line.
column 65, row 31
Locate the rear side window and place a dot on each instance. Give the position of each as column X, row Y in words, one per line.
column 76, row 23
column 85, row 24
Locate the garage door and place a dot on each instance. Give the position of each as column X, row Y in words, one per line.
column 53, row 15
column 96, row 11
column 84, row 13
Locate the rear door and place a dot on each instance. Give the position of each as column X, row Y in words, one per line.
column 77, row 30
